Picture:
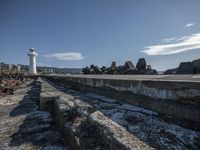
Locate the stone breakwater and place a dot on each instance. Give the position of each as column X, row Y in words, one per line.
column 91, row 121
column 51, row 115
column 128, row 68
column 176, row 98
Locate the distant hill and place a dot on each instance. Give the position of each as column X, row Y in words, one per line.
column 62, row 70
column 68, row 70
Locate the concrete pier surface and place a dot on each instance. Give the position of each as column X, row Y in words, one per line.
column 23, row 126
column 176, row 78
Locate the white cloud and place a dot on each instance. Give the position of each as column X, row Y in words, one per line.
column 65, row 56
column 189, row 25
column 185, row 43
column 169, row 39
column 182, row 38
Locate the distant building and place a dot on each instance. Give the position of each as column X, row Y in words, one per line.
column 47, row 71
column 12, row 67
column 23, row 68
column 4, row 67
column 18, row 68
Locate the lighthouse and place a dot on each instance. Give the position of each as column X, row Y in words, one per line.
column 32, row 61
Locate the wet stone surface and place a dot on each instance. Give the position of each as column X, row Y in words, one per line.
column 23, row 126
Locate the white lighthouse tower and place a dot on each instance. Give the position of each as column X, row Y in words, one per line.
column 32, row 61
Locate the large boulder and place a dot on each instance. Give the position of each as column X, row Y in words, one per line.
column 141, row 64
column 97, row 70
column 185, row 68
column 129, row 65
column 170, row 71
column 103, row 69
column 113, row 65
column 92, row 66
column 128, row 68
column 109, row 71
column 120, row 70
column 149, row 67
column 151, row 72
column 92, row 71
column 86, row 70
column 112, row 69
column 196, row 64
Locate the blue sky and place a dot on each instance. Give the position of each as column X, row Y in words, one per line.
column 76, row 33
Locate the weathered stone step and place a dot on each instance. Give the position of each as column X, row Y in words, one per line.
column 113, row 135
column 76, row 118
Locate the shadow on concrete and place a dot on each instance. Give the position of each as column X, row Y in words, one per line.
column 30, row 101
column 37, row 129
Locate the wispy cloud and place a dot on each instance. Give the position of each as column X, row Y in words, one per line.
column 65, row 56
column 189, row 25
column 169, row 39
column 185, row 43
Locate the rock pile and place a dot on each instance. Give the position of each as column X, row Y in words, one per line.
column 186, row 68
column 196, row 64
column 9, row 82
column 127, row 68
